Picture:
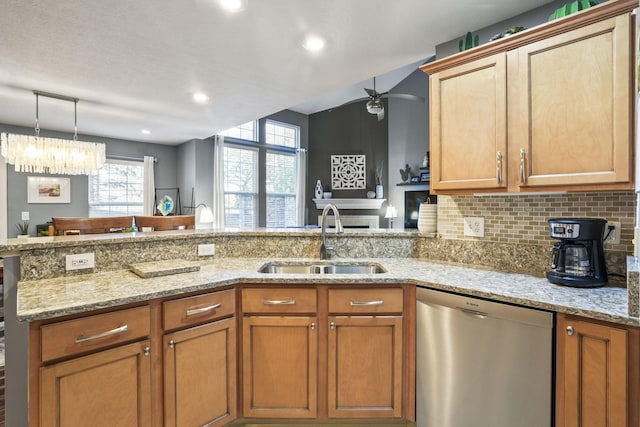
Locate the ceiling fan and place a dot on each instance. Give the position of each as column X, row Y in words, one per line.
column 375, row 104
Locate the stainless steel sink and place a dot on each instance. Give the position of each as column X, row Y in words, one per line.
column 322, row 268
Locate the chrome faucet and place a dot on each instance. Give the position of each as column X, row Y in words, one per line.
column 326, row 249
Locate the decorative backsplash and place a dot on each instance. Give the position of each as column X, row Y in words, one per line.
column 523, row 219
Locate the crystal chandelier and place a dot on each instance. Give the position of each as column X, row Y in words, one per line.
column 37, row 154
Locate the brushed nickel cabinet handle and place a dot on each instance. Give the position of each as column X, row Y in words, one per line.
column 313, row 326
column 146, row 351
column 354, row 303
column 332, row 325
column 570, row 330
column 289, row 301
column 84, row 338
column 194, row 311
column 499, row 167
column 523, row 156
column 172, row 344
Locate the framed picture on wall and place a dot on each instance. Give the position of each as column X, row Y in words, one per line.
column 48, row 189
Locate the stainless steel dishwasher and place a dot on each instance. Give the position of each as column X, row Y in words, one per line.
column 482, row 363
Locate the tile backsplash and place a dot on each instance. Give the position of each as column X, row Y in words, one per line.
column 523, row 219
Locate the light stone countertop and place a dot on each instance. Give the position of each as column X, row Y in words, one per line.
column 49, row 298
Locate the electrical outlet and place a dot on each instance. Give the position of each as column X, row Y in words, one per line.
column 25, row 216
column 613, row 237
column 80, row 261
column 474, row 226
column 207, row 250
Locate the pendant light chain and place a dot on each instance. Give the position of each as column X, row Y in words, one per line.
column 75, row 119
column 37, row 117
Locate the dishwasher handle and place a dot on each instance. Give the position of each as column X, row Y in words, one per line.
column 476, row 313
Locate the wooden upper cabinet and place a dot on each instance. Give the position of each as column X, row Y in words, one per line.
column 469, row 125
column 549, row 108
column 570, row 116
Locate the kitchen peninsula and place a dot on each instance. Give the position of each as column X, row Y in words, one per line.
column 47, row 298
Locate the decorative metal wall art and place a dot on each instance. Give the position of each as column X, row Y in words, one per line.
column 348, row 172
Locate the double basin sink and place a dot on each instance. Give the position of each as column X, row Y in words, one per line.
column 322, row 268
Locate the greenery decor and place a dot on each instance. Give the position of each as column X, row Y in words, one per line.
column 468, row 42
column 572, row 7
column 23, row 228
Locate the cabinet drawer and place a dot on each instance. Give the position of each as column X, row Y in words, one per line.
column 279, row 300
column 93, row 332
column 366, row 300
column 199, row 308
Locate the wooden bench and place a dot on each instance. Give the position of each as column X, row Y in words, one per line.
column 162, row 223
column 71, row 226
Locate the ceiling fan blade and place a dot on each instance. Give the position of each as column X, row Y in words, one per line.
column 372, row 93
column 381, row 115
column 405, row 96
column 352, row 102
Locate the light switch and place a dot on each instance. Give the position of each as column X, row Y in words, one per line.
column 25, row 216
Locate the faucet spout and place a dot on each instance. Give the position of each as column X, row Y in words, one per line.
column 325, row 249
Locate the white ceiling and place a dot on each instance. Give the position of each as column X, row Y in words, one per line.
column 135, row 64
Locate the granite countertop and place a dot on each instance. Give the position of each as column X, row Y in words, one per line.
column 49, row 298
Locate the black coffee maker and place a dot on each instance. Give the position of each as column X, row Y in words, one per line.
column 578, row 258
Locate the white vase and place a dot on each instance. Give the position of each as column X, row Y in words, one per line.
column 319, row 190
column 379, row 191
column 428, row 218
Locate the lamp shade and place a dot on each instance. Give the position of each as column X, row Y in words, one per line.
column 206, row 215
column 391, row 212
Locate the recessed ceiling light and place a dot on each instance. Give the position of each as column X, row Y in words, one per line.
column 232, row 5
column 146, row 131
column 314, row 43
column 200, row 98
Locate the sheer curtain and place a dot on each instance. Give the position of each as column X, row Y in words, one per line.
column 218, row 181
column 3, row 199
column 301, row 165
column 149, row 185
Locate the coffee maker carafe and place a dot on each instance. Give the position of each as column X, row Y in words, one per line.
column 577, row 259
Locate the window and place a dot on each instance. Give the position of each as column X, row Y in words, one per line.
column 260, row 178
column 281, row 134
column 117, row 189
column 240, row 187
column 247, row 131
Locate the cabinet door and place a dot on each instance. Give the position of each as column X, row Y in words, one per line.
column 570, row 108
column 591, row 375
column 200, row 375
column 109, row 388
column 468, row 125
column 365, row 367
column 280, row 363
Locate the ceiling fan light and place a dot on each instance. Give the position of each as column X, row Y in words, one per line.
column 375, row 106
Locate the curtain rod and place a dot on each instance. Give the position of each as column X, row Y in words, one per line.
column 130, row 158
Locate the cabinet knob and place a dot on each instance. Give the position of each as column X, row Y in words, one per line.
column 146, row 351
column 570, row 330
column 172, row 344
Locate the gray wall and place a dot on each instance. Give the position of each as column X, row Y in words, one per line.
column 194, row 173
column 165, row 176
column 528, row 19
column 408, row 137
column 349, row 129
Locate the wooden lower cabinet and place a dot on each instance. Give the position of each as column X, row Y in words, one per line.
column 597, row 375
column 365, row 367
column 108, row 388
column 200, row 375
column 280, row 362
